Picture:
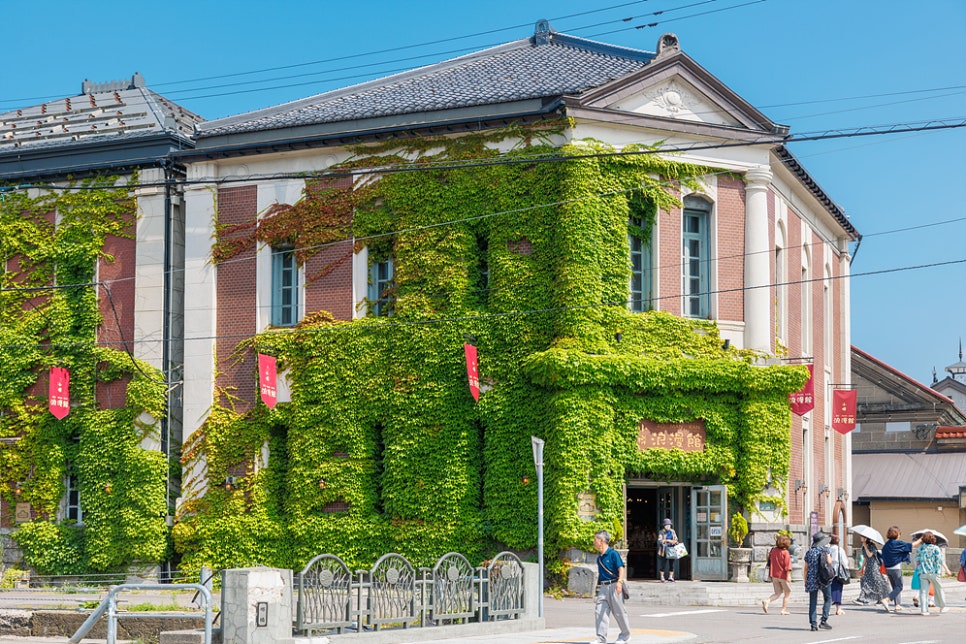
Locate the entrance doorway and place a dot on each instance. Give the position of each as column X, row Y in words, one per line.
column 647, row 505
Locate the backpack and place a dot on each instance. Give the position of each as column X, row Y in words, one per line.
column 826, row 569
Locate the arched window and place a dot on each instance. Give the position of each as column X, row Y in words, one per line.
column 781, row 286
column 696, row 257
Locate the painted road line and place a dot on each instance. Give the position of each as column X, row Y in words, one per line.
column 686, row 612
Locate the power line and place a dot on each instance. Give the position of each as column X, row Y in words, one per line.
column 390, row 50
column 495, row 315
column 503, row 159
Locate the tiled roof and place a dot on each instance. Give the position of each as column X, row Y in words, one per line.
column 102, row 111
column 546, row 65
column 949, row 432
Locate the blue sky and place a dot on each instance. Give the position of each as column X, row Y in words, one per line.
column 815, row 65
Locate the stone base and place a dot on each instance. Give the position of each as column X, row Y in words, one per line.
column 582, row 580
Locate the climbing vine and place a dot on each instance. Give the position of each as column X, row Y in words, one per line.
column 383, row 449
column 57, row 238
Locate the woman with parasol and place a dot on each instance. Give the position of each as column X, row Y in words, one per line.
column 873, row 586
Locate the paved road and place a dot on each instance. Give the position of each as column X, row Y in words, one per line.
column 571, row 621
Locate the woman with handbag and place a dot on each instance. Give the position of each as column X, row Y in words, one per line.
column 780, row 570
column 665, row 539
column 873, row 586
column 840, row 561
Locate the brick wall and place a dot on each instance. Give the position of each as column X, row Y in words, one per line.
column 115, row 301
column 730, row 264
column 329, row 273
column 329, row 281
column 236, row 302
column 669, row 262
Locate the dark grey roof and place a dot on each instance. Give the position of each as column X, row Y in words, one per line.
column 547, row 65
column 907, row 476
column 102, row 112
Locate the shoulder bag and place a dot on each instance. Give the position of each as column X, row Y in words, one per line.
column 624, row 593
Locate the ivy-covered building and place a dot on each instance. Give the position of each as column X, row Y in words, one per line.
column 641, row 263
column 91, row 241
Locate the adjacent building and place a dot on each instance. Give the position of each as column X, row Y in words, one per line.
column 93, row 282
column 908, row 451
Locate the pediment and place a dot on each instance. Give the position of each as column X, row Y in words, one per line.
column 676, row 99
column 677, row 88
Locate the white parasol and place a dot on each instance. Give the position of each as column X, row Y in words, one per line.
column 961, row 530
column 941, row 539
column 868, row 532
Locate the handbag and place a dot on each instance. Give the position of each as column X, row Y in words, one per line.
column 962, row 574
column 882, row 569
column 624, row 592
column 915, row 579
column 677, row 551
column 843, row 576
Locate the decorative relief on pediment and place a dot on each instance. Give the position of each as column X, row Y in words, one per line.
column 678, row 100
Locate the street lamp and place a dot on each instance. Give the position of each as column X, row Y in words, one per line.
column 538, row 463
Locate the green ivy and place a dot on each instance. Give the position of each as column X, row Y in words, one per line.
column 383, row 449
column 121, row 485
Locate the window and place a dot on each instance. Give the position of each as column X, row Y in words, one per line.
column 72, row 506
column 638, row 236
column 806, row 291
column 380, row 287
column 781, row 289
column 697, row 258
column 285, row 287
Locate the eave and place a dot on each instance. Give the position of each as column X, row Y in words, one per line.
column 404, row 126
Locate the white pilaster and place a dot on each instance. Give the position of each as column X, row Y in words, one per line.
column 757, row 254
column 200, row 319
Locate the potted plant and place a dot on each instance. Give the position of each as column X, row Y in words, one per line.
column 740, row 557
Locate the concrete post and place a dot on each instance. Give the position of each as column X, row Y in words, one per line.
column 257, row 606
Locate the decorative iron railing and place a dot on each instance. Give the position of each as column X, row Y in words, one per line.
column 394, row 594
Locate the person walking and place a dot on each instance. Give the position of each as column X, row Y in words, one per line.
column 840, row 561
column 812, row 585
column 873, row 586
column 611, row 576
column 930, row 562
column 666, row 537
column 780, row 571
column 895, row 552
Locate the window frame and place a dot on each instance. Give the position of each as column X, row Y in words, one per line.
column 286, row 300
column 381, row 300
column 698, row 208
column 73, row 508
column 640, row 299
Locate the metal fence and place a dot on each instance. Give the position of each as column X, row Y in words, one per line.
column 394, row 594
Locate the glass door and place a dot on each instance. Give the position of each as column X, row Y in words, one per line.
column 709, row 533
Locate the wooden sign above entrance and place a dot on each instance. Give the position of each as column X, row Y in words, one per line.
column 689, row 437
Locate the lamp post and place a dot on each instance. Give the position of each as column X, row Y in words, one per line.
column 538, row 463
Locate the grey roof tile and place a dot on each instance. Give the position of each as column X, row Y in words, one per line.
column 104, row 111
column 515, row 71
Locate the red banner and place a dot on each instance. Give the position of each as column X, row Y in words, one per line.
column 843, row 410
column 472, row 371
column 267, row 379
column 803, row 401
column 58, row 393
